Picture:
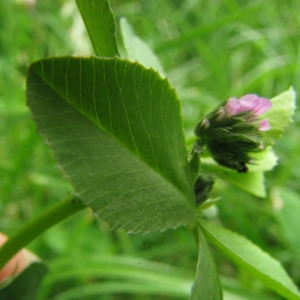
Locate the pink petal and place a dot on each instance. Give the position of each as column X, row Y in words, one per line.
column 263, row 106
column 232, row 106
column 249, row 102
column 264, row 125
column 255, row 103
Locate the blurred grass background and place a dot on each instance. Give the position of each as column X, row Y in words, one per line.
column 211, row 50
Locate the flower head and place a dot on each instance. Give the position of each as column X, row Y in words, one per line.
column 233, row 130
column 249, row 103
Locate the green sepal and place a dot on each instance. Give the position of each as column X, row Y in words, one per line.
column 194, row 164
column 202, row 188
column 230, row 139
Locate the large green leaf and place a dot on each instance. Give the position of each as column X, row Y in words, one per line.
column 100, row 24
column 115, row 128
column 248, row 256
column 207, row 284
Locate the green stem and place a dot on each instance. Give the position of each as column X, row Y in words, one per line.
column 38, row 225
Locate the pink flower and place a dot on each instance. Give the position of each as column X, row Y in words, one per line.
column 232, row 131
column 249, row 103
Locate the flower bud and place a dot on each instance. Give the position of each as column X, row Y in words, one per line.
column 202, row 188
column 233, row 130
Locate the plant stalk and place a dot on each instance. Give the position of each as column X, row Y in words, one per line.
column 37, row 226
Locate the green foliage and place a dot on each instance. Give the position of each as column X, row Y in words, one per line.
column 256, row 46
column 117, row 135
column 100, row 24
column 283, row 107
column 138, row 50
column 251, row 258
column 207, row 283
column 117, row 274
column 253, row 181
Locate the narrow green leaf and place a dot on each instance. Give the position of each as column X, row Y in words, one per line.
column 137, row 49
column 280, row 115
column 25, row 286
column 142, row 275
column 251, row 258
column 207, row 284
column 115, row 128
column 100, row 24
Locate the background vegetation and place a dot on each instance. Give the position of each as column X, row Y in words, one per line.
column 210, row 50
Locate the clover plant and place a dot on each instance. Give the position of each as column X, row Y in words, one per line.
column 114, row 125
